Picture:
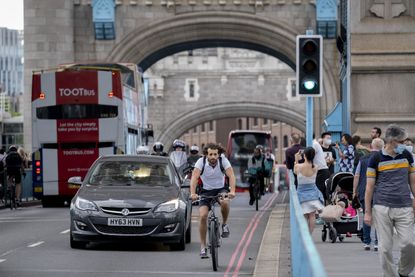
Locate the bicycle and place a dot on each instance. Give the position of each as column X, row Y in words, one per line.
column 257, row 191
column 11, row 192
column 214, row 229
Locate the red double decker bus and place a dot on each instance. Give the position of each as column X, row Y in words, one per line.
column 240, row 148
column 79, row 112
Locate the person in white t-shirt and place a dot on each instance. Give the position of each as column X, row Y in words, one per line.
column 323, row 172
column 212, row 169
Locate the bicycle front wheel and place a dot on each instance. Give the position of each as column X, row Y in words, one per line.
column 213, row 239
column 256, row 193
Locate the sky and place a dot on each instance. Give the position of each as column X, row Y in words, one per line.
column 11, row 14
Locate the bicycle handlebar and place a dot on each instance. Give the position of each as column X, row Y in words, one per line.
column 222, row 196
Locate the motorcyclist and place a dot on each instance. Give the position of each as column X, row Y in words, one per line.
column 178, row 156
column 194, row 155
column 158, row 148
column 143, row 150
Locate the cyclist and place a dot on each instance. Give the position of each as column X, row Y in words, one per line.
column 258, row 167
column 178, row 156
column 158, row 149
column 194, row 155
column 14, row 168
column 213, row 183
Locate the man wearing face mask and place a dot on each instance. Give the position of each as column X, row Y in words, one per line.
column 387, row 174
column 409, row 146
column 329, row 152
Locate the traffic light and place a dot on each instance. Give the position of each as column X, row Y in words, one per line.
column 309, row 65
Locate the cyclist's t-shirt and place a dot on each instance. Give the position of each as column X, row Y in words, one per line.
column 212, row 177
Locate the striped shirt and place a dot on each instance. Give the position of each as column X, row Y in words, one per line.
column 392, row 178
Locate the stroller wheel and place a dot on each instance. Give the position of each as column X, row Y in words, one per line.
column 323, row 235
column 333, row 235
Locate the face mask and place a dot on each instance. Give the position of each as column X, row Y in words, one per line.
column 410, row 148
column 400, row 148
column 327, row 141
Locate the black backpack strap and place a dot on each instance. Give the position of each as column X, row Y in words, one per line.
column 203, row 165
column 221, row 166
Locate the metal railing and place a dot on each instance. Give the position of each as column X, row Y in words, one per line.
column 27, row 187
column 305, row 260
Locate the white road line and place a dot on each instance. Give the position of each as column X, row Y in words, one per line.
column 36, row 244
column 65, row 232
column 2, row 260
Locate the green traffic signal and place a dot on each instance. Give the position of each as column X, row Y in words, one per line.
column 309, row 85
column 309, row 65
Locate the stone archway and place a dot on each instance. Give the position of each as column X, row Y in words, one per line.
column 154, row 41
column 184, row 122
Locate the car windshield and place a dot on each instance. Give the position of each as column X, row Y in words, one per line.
column 131, row 173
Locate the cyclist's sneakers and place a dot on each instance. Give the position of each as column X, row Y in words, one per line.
column 203, row 253
column 251, row 201
column 225, row 231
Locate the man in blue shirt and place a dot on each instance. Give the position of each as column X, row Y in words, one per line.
column 387, row 174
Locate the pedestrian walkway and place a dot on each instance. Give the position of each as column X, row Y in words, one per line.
column 340, row 259
column 347, row 258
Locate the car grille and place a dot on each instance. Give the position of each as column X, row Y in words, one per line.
column 124, row 230
column 132, row 211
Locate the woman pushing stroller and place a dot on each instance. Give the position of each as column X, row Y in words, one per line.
column 310, row 197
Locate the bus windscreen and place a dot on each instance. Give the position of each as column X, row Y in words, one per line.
column 243, row 145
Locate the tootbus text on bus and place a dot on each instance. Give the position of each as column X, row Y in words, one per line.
column 240, row 148
column 80, row 112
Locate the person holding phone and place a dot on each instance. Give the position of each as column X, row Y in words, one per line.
column 290, row 154
column 329, row 152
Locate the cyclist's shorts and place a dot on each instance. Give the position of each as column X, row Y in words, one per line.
column 17, row 175
column 212, row 192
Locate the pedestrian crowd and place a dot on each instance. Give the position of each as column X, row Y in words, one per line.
column 383, row 188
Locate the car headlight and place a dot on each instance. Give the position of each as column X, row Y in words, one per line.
column 85, row 205
column 168, row 207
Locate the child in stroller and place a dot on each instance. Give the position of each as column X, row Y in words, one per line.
column 340, row 188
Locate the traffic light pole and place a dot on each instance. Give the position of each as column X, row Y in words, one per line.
column 309, row 121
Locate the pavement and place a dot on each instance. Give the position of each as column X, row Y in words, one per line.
column 340, row 259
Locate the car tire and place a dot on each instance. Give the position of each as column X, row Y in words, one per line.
column 181, row 245
column 189, row 232
column 77, row 244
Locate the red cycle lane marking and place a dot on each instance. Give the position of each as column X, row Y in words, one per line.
column 256, row 219
column 247, row 243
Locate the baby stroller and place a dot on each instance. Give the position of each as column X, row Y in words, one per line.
column 341, row 184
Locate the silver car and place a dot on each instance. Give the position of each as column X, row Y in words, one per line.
column 131, row 198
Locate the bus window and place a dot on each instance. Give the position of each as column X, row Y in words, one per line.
column 77, row 111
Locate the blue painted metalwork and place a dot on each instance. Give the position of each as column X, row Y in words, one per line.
column 326, row 10
column 309, row 121
column 333, row 122
column 103, row 17
column 305, row 260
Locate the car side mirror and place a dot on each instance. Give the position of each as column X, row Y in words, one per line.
column 76, row 180
column 185, row 184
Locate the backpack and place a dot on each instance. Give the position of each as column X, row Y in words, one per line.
column 13, row 160
column 221, row 169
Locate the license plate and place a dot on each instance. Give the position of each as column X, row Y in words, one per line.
column 125, row 222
